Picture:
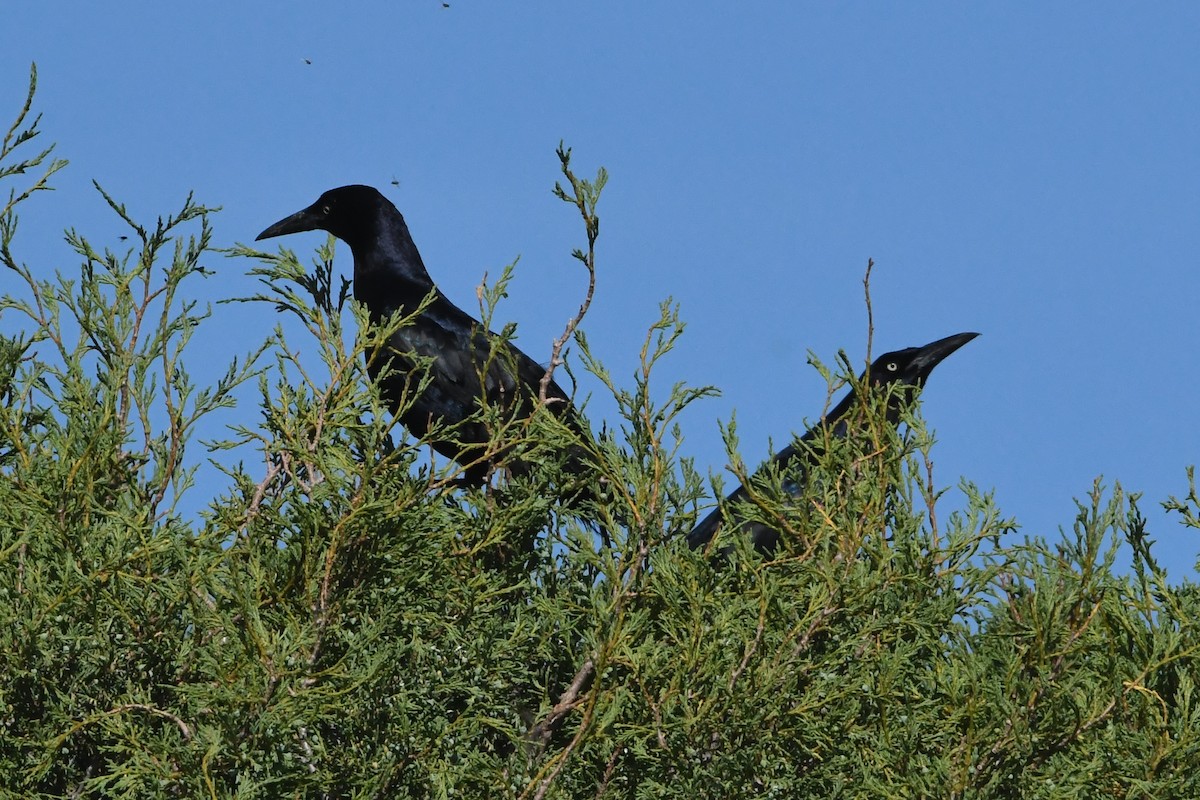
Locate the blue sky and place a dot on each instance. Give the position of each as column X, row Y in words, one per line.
column 1033, row 175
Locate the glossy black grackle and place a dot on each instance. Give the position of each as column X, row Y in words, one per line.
column 389, row 277
column 901, row 373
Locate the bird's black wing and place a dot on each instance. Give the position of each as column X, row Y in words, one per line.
column 459, row 353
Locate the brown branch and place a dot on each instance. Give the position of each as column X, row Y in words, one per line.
column 609, row 768
column 584, row 195
column 568, row 700
column 158, row 712
column 931, row 502
column 758, row 634
column 870, row 312
column 260, row 491
column 544, row 786
column 814, row 626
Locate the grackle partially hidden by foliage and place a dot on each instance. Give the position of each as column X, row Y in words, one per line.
column 900, row 374
column 467, row 364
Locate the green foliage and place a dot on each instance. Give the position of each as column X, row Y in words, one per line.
column 342, row 620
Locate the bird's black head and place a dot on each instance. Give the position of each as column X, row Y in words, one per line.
column 912, row 365
column 901, row 374
column 351, row 213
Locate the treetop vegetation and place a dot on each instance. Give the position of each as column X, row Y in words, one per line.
column 343, row 619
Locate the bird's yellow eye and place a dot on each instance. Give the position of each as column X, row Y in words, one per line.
column 892, row 366
column 325, row 210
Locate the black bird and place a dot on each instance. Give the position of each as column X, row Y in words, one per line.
column 389, row 277
column 906, row 369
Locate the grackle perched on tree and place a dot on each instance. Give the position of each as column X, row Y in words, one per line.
column 389, row 277
column 901, row 374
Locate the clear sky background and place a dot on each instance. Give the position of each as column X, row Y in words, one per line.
column 1030, row 172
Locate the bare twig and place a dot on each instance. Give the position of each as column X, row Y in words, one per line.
column 870, row 312
column 260, row 491
column 184, row 728
column 758, row 634
column 584, row 195
column 542, row 731
column 609, row 768
column 931, row 502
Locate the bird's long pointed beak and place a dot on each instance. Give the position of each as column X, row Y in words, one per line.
column 934, row 353
column 304, row 220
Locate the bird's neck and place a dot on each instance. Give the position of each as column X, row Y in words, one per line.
column 898, row 399
column 834, row 418
column 389, row 274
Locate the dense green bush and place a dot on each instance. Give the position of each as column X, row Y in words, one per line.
column 346, row 621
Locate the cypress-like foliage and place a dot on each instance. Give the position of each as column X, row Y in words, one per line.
column 342, row 621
